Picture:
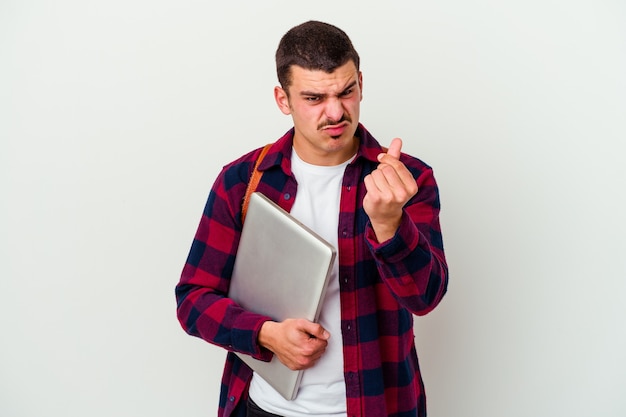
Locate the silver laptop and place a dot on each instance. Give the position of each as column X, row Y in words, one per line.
column 282, row 271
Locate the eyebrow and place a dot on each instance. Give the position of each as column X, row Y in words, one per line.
column 321, row 95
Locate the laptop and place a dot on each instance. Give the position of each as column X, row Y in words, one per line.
column 281, row 270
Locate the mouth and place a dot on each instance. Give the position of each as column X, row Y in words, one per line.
column 335, row 130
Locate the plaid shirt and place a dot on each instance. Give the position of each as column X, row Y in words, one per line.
column 382, row 284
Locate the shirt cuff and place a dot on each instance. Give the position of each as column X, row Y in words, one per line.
column 399, row 246
column 246, row 339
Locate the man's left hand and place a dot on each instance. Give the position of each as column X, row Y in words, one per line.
column 389, row 187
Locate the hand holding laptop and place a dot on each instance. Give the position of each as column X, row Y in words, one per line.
column 298, row 343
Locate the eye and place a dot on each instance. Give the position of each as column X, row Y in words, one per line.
column 347, row 92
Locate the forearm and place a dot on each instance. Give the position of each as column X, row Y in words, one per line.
column 204, row 309
column 412, row 264
column 219, row 320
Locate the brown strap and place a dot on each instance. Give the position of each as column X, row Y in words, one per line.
column 254, row 181
column 256, row 178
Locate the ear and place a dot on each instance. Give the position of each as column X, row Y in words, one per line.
column 282, row 100
column 361, row 85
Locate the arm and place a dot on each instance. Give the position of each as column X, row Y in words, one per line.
column 203, row 308
column 404, row 234
column 205, row 311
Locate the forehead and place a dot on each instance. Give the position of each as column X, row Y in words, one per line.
column 318, row 81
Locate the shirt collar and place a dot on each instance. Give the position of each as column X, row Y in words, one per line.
column 279, row 153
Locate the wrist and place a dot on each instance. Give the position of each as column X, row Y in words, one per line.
column 265, row 336
column 385, row 230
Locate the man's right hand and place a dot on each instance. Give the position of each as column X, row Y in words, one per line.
column 298, row 343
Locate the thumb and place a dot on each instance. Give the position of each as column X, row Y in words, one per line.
column 395, row 147
column 317, row 331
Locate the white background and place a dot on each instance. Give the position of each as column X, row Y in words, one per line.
column 115, row 118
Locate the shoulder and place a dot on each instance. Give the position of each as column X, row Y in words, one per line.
column 239, row 170
column 276, row 154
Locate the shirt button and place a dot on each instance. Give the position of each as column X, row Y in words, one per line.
column 349, row 187
column 287, row 196
column 232, row 399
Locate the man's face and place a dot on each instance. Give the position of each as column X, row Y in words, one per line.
column 325, row 110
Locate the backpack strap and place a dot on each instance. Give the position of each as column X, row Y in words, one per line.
column 254, row 181
column 255, row 178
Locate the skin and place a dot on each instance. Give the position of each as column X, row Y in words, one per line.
column 325, row 109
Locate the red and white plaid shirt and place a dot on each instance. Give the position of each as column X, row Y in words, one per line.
column 382, row 284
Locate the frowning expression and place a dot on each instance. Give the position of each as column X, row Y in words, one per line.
column 325, row 109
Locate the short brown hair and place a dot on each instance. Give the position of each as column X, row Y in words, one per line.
column 313, row 45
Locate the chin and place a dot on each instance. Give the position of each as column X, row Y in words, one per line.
column 339, row 143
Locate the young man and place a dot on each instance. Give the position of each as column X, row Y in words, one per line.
column 379, row 208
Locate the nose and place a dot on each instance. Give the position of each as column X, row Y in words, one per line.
column 334, row 109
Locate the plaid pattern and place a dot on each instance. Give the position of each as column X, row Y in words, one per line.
column 382, row 285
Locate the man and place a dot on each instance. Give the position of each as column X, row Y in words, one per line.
column 380, row 209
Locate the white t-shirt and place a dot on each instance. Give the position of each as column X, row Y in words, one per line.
column 322, row 390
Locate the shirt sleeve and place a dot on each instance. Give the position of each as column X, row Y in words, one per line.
column 203, row 308
column 412, row 263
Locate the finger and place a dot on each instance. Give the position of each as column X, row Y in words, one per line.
column 374, row 183
column 391, row 186
column 395, row 147
column 317, row 331
column 390, row 179
column 391, row 182
column 388, row 160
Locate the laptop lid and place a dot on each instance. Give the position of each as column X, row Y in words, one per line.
column 281, row 270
